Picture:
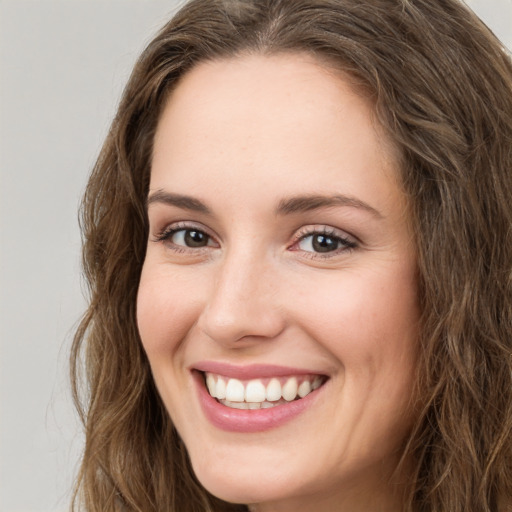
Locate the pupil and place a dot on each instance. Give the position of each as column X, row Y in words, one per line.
column 323, row 243
column 196, row 239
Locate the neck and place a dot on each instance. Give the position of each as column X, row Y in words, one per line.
column 372, row 497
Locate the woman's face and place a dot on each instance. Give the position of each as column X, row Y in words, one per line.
column 280, row 265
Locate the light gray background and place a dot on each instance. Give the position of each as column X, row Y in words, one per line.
column 63, row 65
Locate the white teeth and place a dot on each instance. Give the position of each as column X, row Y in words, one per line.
column 273, row 390
column 254, row 395
column 235, row 391
column 237, row 405
column 220, row 389
column 255, row 391
column 304, row 389
column 210, row 384
column 316, row 383
column 290, row 389
column 248, row 405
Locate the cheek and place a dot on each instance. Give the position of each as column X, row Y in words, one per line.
column 163, row 316
column 166, row 310
column 368, row 321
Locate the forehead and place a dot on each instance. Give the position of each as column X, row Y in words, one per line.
column 290, row 87
column 284, row 120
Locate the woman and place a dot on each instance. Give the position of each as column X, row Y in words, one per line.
column 298, row 245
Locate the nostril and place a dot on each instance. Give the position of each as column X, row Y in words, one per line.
column 239, row 306
column 242, row 327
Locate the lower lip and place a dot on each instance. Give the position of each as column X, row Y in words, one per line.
column 250, row 420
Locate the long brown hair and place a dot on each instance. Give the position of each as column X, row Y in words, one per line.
column 442, row 88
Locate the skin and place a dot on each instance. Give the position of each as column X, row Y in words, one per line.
column 242, row 135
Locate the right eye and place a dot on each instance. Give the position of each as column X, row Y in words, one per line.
column 183, row 238
column 189, row 238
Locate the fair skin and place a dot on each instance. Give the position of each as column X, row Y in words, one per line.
column 240, row 273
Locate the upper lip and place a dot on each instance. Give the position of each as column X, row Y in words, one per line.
column 251, row 371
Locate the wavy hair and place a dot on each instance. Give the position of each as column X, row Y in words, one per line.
column 441, row 84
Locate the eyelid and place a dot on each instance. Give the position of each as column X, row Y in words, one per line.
column 169, row 229
column 350, row 242
column 325, row 229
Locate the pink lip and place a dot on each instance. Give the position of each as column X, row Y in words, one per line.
column 252, row 371
column 249, row 421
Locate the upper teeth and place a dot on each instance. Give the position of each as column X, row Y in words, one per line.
column 261, row 390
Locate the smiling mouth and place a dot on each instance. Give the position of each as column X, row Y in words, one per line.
column 260, row 393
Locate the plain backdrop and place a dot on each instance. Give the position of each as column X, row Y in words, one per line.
column 63, row 65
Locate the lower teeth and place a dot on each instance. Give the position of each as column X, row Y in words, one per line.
column 252, row 405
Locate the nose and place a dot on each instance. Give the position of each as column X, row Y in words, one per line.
column 243, row 303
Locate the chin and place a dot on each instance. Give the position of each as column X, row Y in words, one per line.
column 244, row 485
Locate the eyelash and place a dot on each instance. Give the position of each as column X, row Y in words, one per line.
column 347, row 244
column 168, row 232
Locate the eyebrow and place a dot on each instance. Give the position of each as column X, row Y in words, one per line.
column 296, row 204
column 178, row 200
column 307, row 203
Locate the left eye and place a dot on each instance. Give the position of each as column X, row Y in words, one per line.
column 322, row 243
column 190, row 238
